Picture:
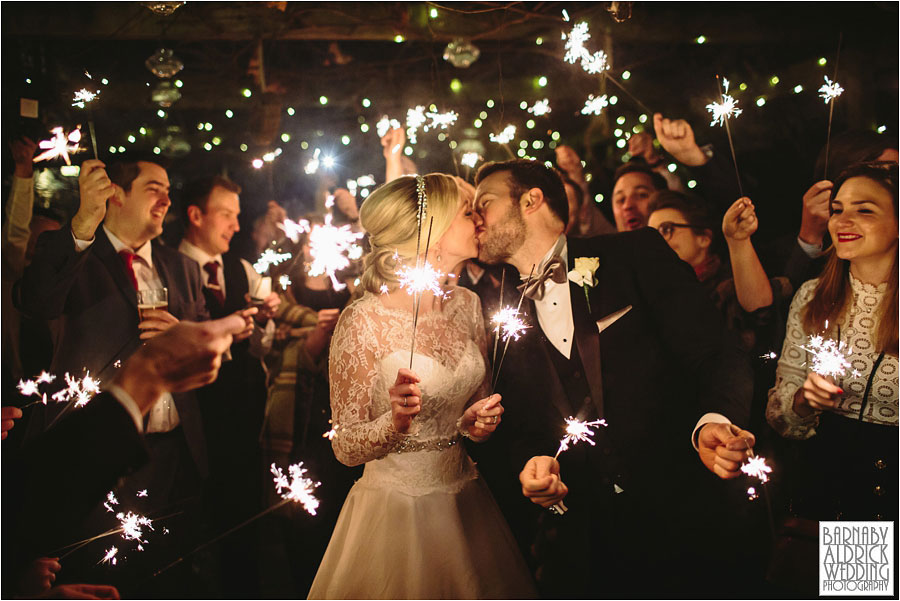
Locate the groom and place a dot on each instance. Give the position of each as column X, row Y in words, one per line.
column 620, row 331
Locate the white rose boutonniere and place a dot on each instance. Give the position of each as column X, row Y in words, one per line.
column 583, row 274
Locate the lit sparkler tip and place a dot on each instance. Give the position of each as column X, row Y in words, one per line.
column 752, row 494
column 469, row 159
column 830, row 90
column 45, row 377
column 142, row 493
column 579, row 431
column 332, row 248
column 594, row 105
column 757, row 468
column 83, row 97
column 416, row 280
column 297, row 488
column 60, row 145
column 541, row 107
column 505, row 136
column 28, row 387
column 384, row 289
column 829, row 358
column 133, row 524
column 441, row 120
column 508, row 322
column 293, row 229
column 723, row 110
column 284, row 281
column 769, row 355
column 268, row 258
column 330, row 434
column 110, row 556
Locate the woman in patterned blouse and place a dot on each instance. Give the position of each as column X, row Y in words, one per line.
column 848, row 463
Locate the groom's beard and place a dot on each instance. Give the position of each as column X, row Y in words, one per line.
column 501, row 241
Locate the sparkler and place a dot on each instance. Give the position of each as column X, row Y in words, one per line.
column 578, row 431
column 830, row 90
column 470, row 159
column 415, row 118
column 385, row 124
column 81, row 390
column 110, row 556
column 313, row 165
column 284, row 281
column 594, row 63
column 297, row 488
column 441, row 120
column 294, row 229
column 829, row 358
column 595, row 105
column 505, row 136
column 757, row 468
column 722, row 113
column 540, row 108
column 268, row 258
column 84, row 98
column 508, row 324
column 416, row 280
column 769, row 356
column 60, row 145
column 330, row 248
column 330, row 434
column 496, row 377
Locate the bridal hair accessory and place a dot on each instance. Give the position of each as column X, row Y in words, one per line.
column 422, row 200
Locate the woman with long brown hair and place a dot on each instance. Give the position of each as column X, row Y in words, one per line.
column 848, row 469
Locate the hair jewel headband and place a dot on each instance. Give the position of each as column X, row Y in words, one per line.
column 422, row 199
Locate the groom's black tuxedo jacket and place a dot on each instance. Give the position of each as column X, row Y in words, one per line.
column 651, row 374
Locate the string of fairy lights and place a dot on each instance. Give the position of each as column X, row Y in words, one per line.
column 528, row 134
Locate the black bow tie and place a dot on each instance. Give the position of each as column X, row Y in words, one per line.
column 554, row 270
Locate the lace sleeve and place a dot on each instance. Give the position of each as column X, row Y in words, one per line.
column 360, row 436
column 791, row 374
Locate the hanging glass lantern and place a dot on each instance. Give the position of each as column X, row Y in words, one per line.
column 461, row 53
column 164, row 63
column 163, row 9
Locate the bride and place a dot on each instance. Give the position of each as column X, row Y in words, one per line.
column 420, row 523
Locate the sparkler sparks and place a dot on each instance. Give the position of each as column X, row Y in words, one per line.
column 133, row 524
column 829, row 358
column 769, row 356
column 441, row 120
column 385, row 124
column 284, row 281
column 81, row 390
column 110, row 501
column 330, row 434
column 313, row 165
column 504, row 137
column 416, row 280
column 470, row 159
column 110, row 556
column 84, row 97
column 294, row 229
column 415, row 118
column 508, row 323
column 28, row 388
column 595, row 63
column 725, row 109
column 757, row 468
column 578, row 431
column 60, row 145
column 830, row 90
column 541, row 107
column 752, row 494
column 298, row 488
column 595, row 105
column 330, row 247
column 268, row 258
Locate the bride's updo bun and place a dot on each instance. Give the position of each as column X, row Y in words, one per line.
column 388, row 216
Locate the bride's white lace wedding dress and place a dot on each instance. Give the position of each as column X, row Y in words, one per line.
column 420, row 523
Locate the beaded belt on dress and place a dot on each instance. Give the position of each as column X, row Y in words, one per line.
column 408, row 445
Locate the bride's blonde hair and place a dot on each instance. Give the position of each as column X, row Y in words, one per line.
column 388, row 216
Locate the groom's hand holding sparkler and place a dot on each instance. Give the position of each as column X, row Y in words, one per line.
column 541, row 481
column 406, row 399
column 723, row 448
column 94, row 188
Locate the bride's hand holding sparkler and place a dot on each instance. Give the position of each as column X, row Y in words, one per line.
column 723, row 448
column 676, row 136
column 94, row 188
column 406, row 399
column 818, row 393
column 541, row 481
column 482, row 417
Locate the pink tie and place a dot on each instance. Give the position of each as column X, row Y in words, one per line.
column 128, row 258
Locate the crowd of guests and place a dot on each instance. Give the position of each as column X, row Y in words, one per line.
column 202, row 393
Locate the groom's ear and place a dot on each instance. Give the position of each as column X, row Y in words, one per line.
column 532, row 200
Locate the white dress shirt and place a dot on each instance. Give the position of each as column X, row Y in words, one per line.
column 262, row 337
column 163, row 416
column 554, row 310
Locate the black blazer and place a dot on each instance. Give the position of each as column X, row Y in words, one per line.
column 91, row 307
column 652, row 373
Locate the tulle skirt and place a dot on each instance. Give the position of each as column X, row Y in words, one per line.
column 445, row 544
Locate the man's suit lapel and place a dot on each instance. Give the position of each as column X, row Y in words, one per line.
column 586, row 335
column 540, row 347
column 110, row 258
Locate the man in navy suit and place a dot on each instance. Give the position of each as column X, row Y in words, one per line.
column 621, row 331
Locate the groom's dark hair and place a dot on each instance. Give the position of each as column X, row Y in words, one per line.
column 525, row 174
